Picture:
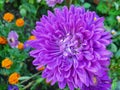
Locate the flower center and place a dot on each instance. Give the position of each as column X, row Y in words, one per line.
column 69, row 45
column 11, row 40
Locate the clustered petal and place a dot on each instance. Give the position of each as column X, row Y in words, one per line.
column 52, row 3
column 71, row 44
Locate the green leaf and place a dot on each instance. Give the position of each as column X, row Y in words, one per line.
column 118, row 85
column 87, row 5
column 102, row 7
column 24, row 77
column 114, row 12
column 31, row 1
column 116, row 5
column 1, row 4
column 114, row 83
column 3, row 86
column 117, row 55
column 39, row 80
column 111, row 20
column 23, row 12
column 113, row 47
column 29, row 7
column 66, row 88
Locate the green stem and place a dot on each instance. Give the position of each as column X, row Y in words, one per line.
column 30, row 77
column 28, row 85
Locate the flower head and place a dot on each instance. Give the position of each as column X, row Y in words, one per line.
column 3, row 40
column 13, row 39
column 12, row 87
column 71, row 45
column 19, row 22
column 20, row 46
column 8, row 17
column 52, row 3
column 13, row 78
column 6, row 63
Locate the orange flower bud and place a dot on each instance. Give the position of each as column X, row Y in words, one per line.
column 8, row 17
column 13, row 78
column 19, row 22
column 3, row 40
column 20, row 46
column 32, row 37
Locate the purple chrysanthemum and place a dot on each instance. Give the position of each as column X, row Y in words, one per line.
column 13, row 39
column 71, row 44
column 52, row 3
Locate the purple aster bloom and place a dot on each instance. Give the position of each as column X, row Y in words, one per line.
column 71, row 44
column 13, row 87
column 13, row 39
column 99, row 83
column 52, row 3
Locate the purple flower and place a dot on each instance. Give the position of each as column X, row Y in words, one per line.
column 71, row 44
column 99, row 83
column 52, row 3
column 13, row 87
column 13, row 39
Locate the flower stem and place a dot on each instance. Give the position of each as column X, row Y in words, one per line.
column 30, row 77
column 29, row 84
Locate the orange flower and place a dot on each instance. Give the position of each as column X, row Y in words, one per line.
column 3, row 40
column 20, row 46
column 19, row 22
column 6, row 63
column 41, row 69
column 13, row 78
column 32, row 37
column 8, row 17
